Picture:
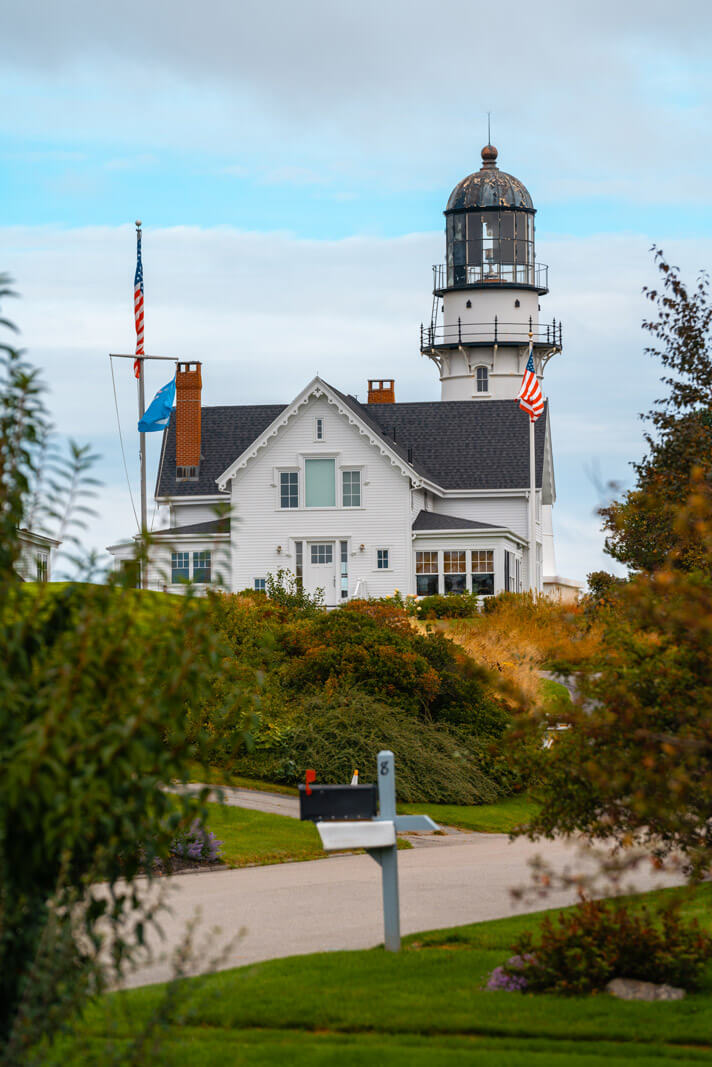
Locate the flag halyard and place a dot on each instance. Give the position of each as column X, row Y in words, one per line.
column 138, row 307
column 530, row 396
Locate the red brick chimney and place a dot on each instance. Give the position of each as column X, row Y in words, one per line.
column 381, row 391
column 188, row 389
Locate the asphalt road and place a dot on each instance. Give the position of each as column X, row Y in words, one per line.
column 335, row 903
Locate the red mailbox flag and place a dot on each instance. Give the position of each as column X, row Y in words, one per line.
column 309, row 777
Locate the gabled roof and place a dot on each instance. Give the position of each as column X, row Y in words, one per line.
column 454, row 444
column 433, row 520
column 347, row 407
column 226, row 433
column 466, row 444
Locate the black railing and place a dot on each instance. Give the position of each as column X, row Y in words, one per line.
column 446, row 276
column 491, row 333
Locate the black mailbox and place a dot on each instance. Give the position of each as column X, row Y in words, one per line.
column 338, row 802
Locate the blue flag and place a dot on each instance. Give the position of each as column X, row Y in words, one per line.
column 159, row 410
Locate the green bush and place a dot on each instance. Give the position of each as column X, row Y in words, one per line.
column 335, row 735
column 451, row 606
column 583, row 949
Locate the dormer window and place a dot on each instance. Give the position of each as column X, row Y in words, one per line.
column 482, row 376
column 186, row 474
column 318, row 429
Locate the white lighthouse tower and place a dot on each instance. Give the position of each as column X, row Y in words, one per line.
column 486, row 299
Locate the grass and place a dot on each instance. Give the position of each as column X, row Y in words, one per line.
column 425, row 1005
column 256, row 838
column 251, row 837
column 499, row 818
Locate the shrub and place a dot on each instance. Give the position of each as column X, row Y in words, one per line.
column 583, row 949
column 451, row 606
column 196, row 843
column 337, row 734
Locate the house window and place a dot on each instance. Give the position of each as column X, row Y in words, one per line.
column 320, row 489
column 41, row 566
column 455, row 571
column 322, row 553
column 483, row 572
column 512, row 577
column 426, row 573
column 351, row 489
column 201, row 566
column 186, row 474
column 382, row 559
column 289, row 489
column 261, row 585
column 299, row 564
column 344, row 547
column 318, row 429
column 482, row 380
column 180, row 567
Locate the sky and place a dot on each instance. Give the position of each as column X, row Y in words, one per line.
column 291, row 162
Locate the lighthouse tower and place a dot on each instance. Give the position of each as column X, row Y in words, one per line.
column 486, row 296
column 487, row 300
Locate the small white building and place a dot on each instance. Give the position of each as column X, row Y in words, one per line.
column 361, row 499
column 34, row 563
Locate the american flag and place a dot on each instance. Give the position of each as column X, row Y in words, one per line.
column 138, row 306
column 529, row 396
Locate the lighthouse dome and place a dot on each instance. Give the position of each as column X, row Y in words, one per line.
column 489, row 187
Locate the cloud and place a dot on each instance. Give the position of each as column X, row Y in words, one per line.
column 266, row 311
column 396, row 92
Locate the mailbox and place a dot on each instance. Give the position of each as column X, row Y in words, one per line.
column 328, row 803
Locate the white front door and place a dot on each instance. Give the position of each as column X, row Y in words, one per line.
column 320, row 570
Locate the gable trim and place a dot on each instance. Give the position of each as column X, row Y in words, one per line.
column 318, row 388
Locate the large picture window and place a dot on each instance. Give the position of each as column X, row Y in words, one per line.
column 483, row 572
column 351, row 489
column 320, row 488
column 289, row 489
column 426, row 573
column 455, row 571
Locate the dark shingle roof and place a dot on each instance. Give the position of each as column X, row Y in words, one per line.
column 465, row 444
column 433, row 520
column 226, row 433
column 212, row 526
column 458, row 444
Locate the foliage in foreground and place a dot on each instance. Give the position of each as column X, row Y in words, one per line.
column 636, row 767
column 92, row 707
column 582, row 949
column 642, row 524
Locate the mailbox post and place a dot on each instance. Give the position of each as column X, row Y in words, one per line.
column 327, row 805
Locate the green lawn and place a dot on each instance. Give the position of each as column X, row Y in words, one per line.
column 499, row 818
column 424, row 1006
column 256, row 837
column 251, row 838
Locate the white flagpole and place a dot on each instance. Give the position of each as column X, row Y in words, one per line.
column 532, row 509
column 532, row 500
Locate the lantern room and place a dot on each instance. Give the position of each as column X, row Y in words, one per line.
column 490, row 233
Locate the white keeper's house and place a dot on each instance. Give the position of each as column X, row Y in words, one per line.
column 359, row 499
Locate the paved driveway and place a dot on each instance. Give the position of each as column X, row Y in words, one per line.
column 335, row 903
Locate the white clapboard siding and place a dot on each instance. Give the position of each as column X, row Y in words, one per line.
column 260, row 526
